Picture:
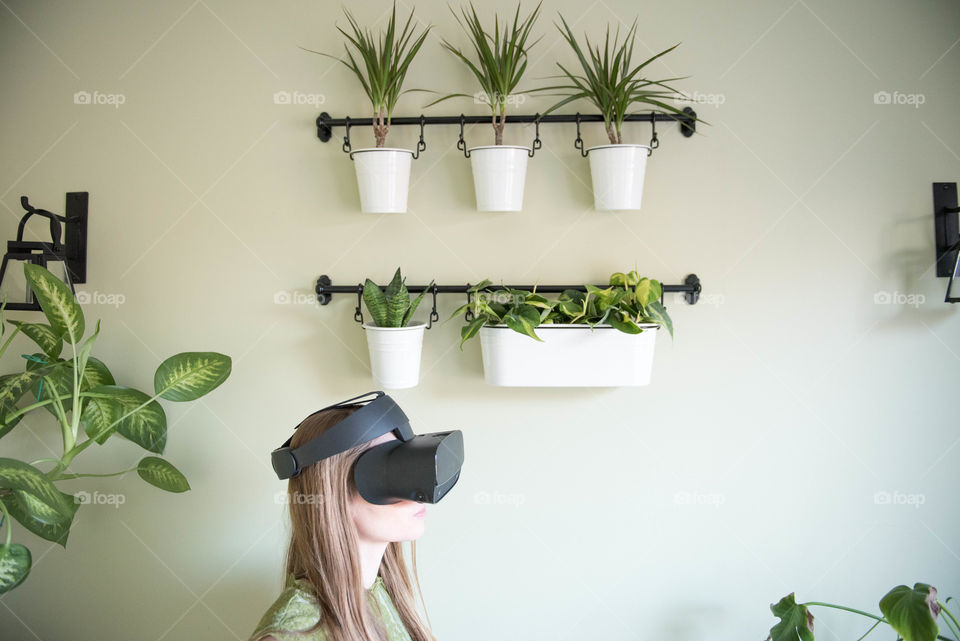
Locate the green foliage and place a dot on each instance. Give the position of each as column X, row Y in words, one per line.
column 386, row 59
column 911, row 612
column 608, row 80
column 80, row 390
column 629, row 302
column 391, row 308
column 500, row 60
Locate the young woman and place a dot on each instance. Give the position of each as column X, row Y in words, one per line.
column 346, row 579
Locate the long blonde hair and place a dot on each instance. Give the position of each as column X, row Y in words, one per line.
column 323, row 544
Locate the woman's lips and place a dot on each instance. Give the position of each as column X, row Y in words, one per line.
column 422, row 512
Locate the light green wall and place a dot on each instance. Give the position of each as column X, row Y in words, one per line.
column 748, row 468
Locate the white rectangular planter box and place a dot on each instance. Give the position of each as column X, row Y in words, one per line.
column 569, row 356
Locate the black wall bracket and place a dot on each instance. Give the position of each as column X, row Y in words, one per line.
column 946, row 225
column 325, row 123
column 72, row 252
column 325, row 290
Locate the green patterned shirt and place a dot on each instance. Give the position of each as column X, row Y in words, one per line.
column 296, row 613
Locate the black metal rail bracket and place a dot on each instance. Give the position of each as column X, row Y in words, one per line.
column 72, row 252
column 946, row 227
column 325, row 290
column 325, row 125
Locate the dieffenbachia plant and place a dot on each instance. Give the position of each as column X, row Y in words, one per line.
column 911, row 612
column 391, row 308
column 629, row 302
column 79, row 391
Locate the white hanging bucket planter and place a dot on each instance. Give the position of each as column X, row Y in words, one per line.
column 617, row 172
column 499, row 172
column 569, row 356
column 395, row 354
column 383, row 176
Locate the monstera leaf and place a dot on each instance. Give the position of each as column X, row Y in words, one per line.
column 796, row 622
column 912, row 612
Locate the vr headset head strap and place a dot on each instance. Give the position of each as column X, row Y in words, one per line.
column 377, row 417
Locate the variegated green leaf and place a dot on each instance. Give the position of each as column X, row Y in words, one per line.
column 163, row 474
column 43, row 335
column 647, row 291
column 57, row 301
column 658, row 313
column 189, row 375
column 12, row 389
column 15, row 562
column 147, row 426
column 41, row 519
column 376, row 303
column 17, row 475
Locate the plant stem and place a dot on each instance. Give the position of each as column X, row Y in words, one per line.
column 955, row 628
column 7, row 342
column 869, row 631
column 6, row 519
column 64, row 477
column 68, row 438
column 843, row 607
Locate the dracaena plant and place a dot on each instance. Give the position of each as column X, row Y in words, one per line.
column 391, row 307
column 499, row 61
column 609, row 79
column 628, row 303
column 89, row 406
column 385, row 60
column 911, row 612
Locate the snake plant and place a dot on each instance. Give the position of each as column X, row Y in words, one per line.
column 500, row 60
column 610, row 82
column 80, row 391
column 629, row 302
column 391, row 308
column 386, row 59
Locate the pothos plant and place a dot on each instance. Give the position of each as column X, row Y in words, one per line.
column 500, row 61
column 911, row 612
column 89, row 407
column 391, row 308
column 385, row 60
column 611, row 82
column 629, row 302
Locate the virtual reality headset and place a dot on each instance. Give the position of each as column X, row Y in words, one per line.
column 417, row 467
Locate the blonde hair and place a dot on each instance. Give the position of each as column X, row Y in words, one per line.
column 323, row 544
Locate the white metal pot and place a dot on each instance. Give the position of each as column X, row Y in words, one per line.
column 499, row 172
column 569, row 356
column 383, row 176
column 395, row 354
column 617, row 172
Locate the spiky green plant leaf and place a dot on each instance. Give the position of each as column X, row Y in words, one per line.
column 156, row 471
column 376, row 302
column 189, row 375
column 15, row 562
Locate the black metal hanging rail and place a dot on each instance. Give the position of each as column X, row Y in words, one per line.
column 690, row 289
column 325, row 123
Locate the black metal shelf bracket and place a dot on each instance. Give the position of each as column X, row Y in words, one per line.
column 946, row 227
column 325, row 290
column 326, row 123
column 72, row 252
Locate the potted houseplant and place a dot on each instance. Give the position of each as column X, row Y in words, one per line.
column 603, row 337
column 80, row 391
column 911, row 612
column 613, row 84
column 393, row 337
column 500, row 59
column 383, row 173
